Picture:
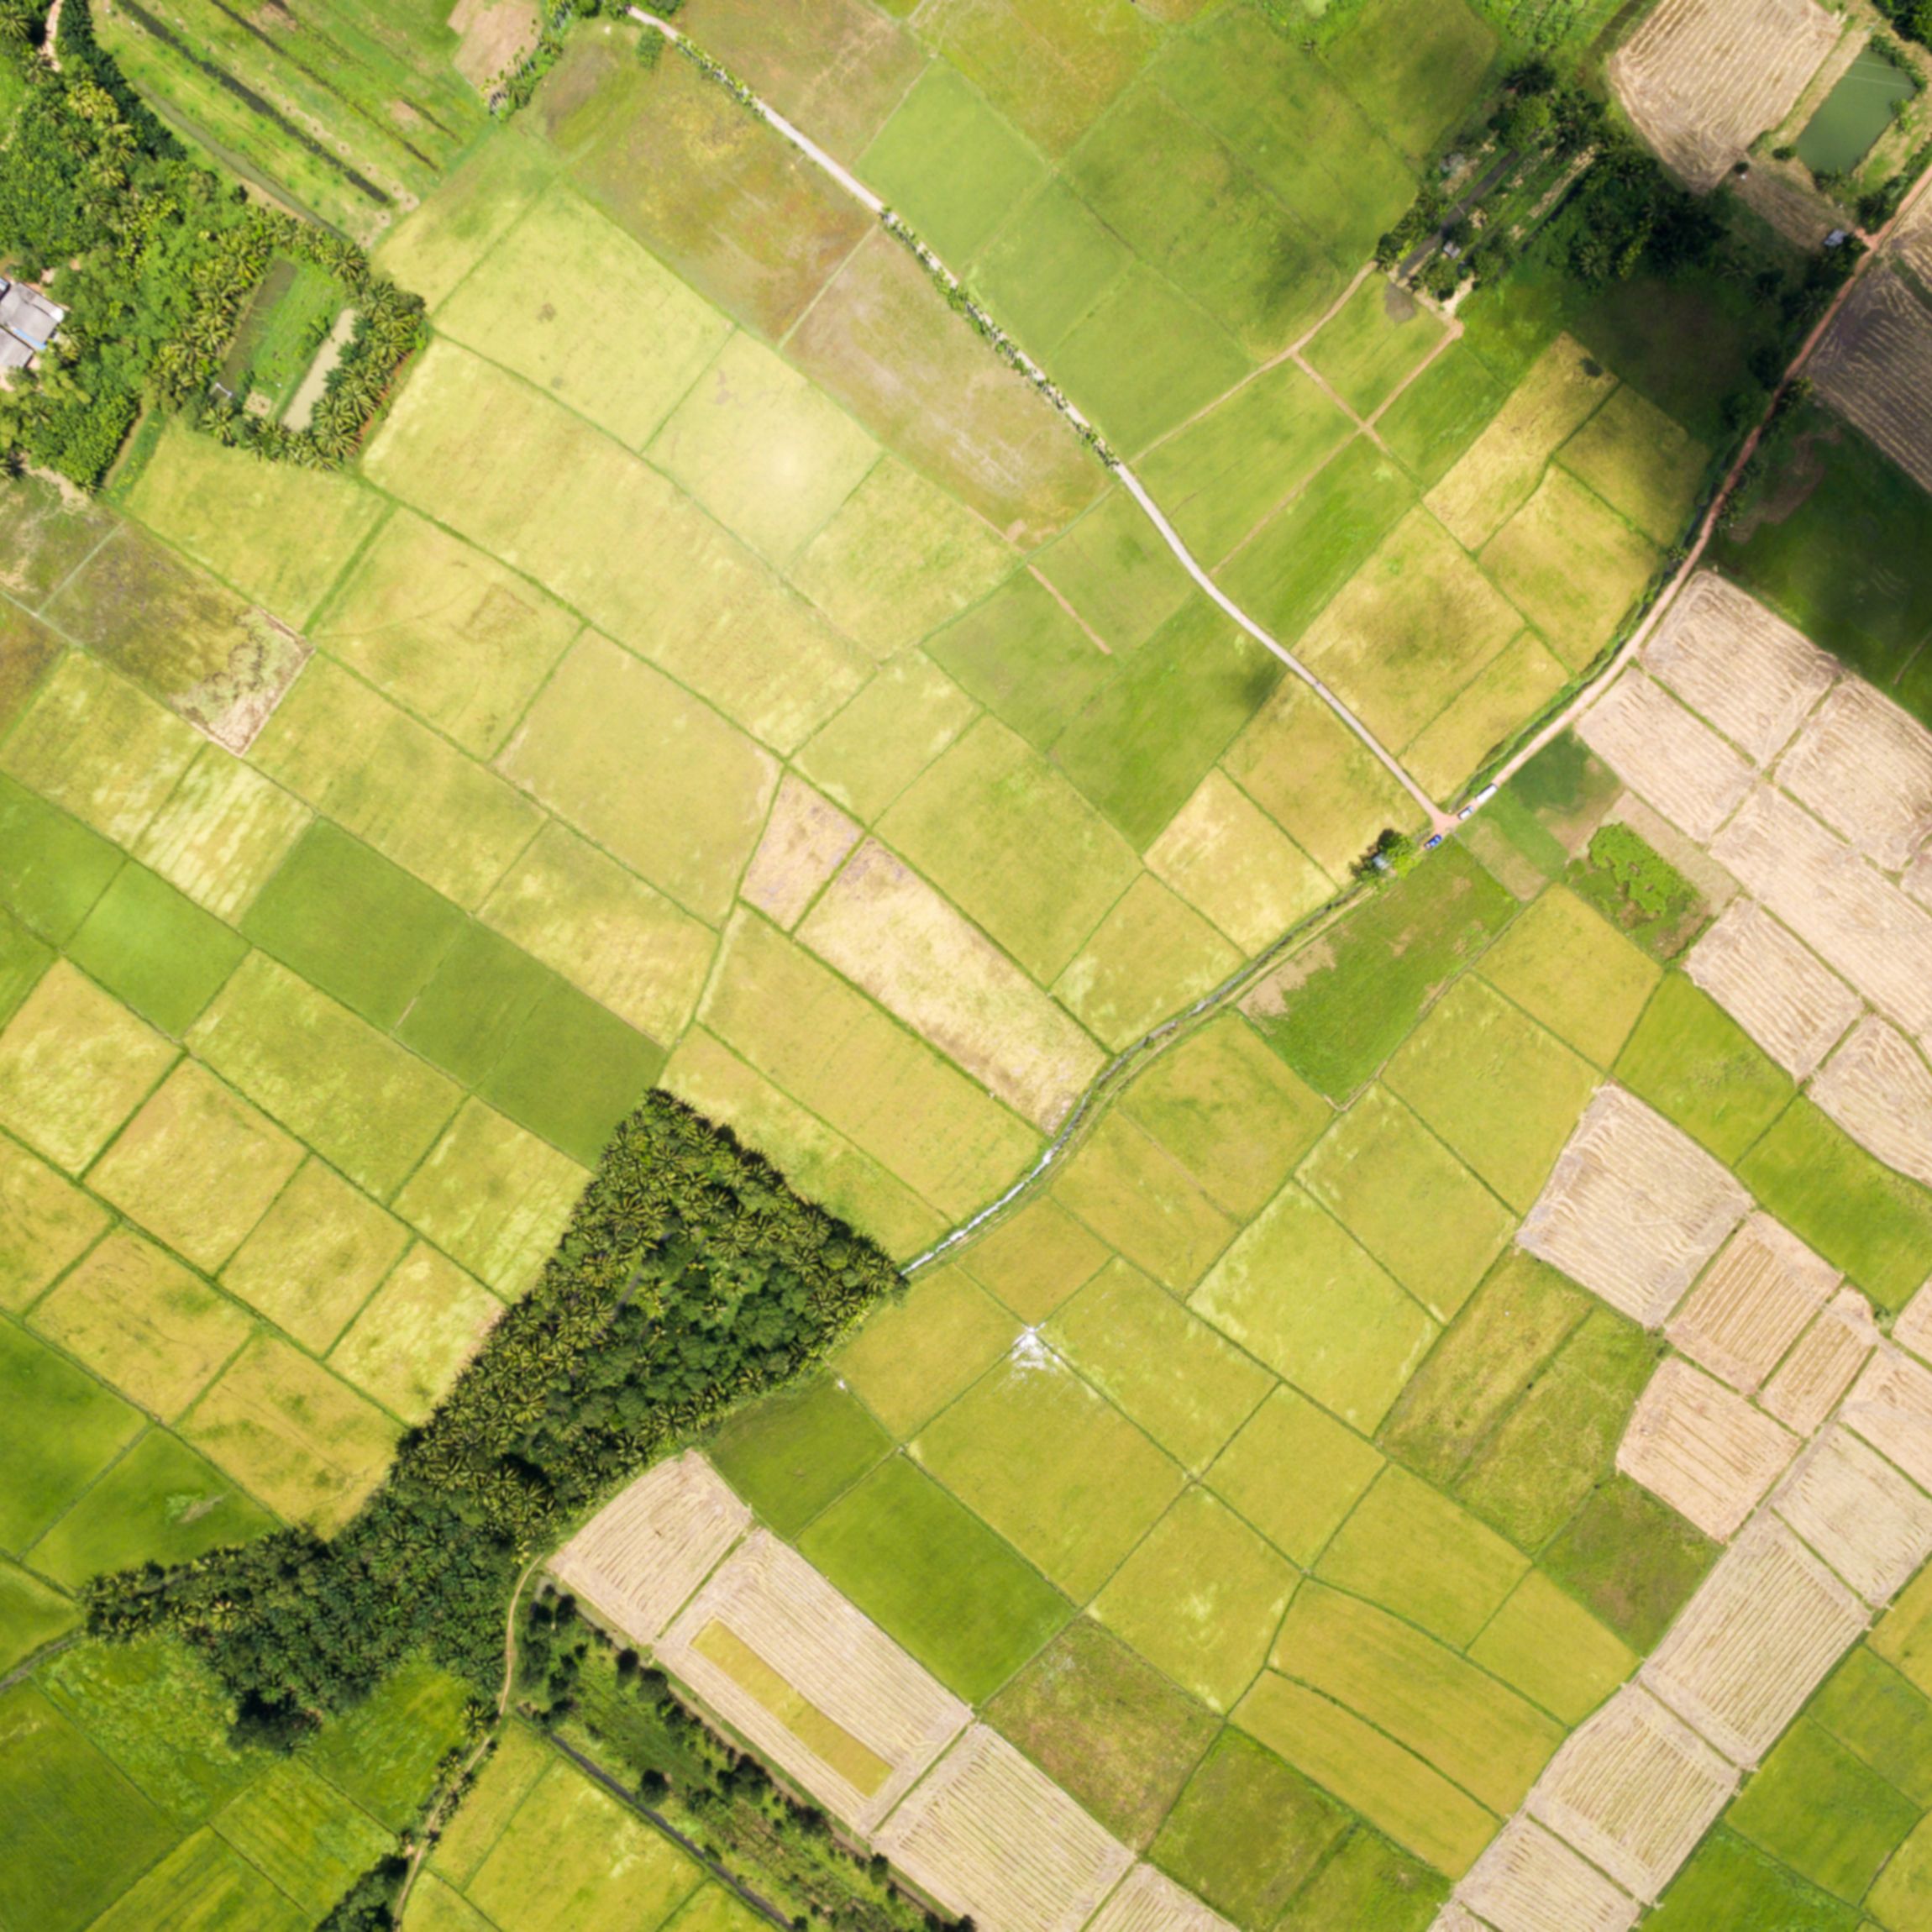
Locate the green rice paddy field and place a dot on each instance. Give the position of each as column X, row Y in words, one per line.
column 720, row 671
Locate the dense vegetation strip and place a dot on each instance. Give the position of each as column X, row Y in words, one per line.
column 690, row 1277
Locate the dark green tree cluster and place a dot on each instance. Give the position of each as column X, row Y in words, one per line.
column 690, row 1278
column 1912, row 17
column 517, row 89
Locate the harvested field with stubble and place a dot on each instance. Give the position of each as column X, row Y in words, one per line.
column 1819, row 1369
column 1677, row 764
column 1634, row 1208
column 1865, row 767
column 1634, row 1790
column 1781, row 994
column 1890, row 1405
column 1739, row 665
column 989, row 1835
column 1703, row 1448
column 1148, row 1902
column 1858, row 1513
column 1753, row 1303
column 1703, row 79
column 1848, row 913
column 1530, row 1881
column 1875, row 365
column 812, row 1681
column 1879, row 1090
column 638, row 1558
column 1755, row 1642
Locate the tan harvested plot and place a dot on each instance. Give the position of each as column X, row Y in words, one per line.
column 1865, row 767
column 988, row 1835
column 1224, row 855
column 1793, row 1005
column 1875, row 364
column 1878, row 1090
column 885, row 928
column 806, row 839
column 1848, row 913
column 1676, row 764
column 638, row 1558
column 1753, row 1303
column 1760, row 1635
column 1738, row 665
column 1148, row 1902
column 1913, row 239
column 1821, row 1369
column 1913, row 1329
column 1703, row 79
column 1703, row 1448
column 1634, row 1208
column 1891, row 1407
column 1870, row 1525
column 1529, row 1882
column 1634, row 1790
column 818, row 1688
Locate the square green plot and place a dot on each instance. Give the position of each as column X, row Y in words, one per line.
column 1829, row 1817
column 912, row 1357
column 1062, row 1475
column 353, row 923
column 59, row 1429
column 74, row 1064
column 1216, row 478
column 1544, row 1643
column 1372, row 343
column 1881, row 1716
column 45, row 1223
column 951, row 166
column 57, row 1791
column 572, row 1071
column 1247, row 1831
column 204, row 1882
column 302, row 1833
column 1567, row 966
column 1022, row 655
column 931, row 1575
column 793, row 1451
column 1043, row 866
column 160, row 1503
column 1368, row 1886
column 384, row 1751
column 1115, row 568
column 1700, row 1069
column 1411, row 1549
column 1152, row 956
column 1202, row 1597
column 1408, row 1202
column 482, row 990
column 415, row 1334
column 1298, row 1291
column 1145, row 358
column 52, row 867
column 1126, row 1187
column 1189, row 1387
column 1728, row 1883
column 1147, row 739
column 1034, row 1261
column 156, row 949
column 1631, row 1559
column 1502, row 1092
column 1440, row 413
column 1289, row 567
column 1416, row 66
column 1641, row 463
column 32, row 1615
column 1051, row 262
column 1295, row 1473
column 767, row 453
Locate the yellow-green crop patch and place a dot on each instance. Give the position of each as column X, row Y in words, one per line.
column 1035, row 1259
column 1228, row 858
column 31, row 1615
column 911, row 1359
column 384, row 1751
column 1133, row 1193
column 415, row 1333
column 909, row 714
column 1295, row 1473
column 1151, row 956
column 1374, row 343
column 1564, row 965
column 203, row 1883
column 300, row 1831
column 1641, row 463
column 1436, row 417
column 222, row 833
column 1048, row 265
column 1116, row 571
column 1490, row 710
column 45, row 1223
column 1547, row 1645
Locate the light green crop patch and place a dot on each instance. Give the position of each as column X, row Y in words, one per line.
column 1043, row 1459
column 1151, row 956
column 1502, row 1092
column 913, row 1358
column 1491, row 709
column 155, row 948
column 1408, row 1202
column 1415, row 1552
column 1641, row 463
column 74, row 1064
column 1415, row 65
column 1035, row 1259
column 1296, row 1290
column 1116, row 571
column 197, row 1167
column 303, row 1834
column 203, row 1882
column 897, row 725
column 1295, row 1473
column 1048, row 265
column 364, row 1104
column 1135, row 1195
column 1172, row 1373
column 384, row 1751
column 447, row 632
column 143, row 1323
column 1372, row 343
column 281, row 534
column 570, row 302
column 31, row 1615
column 59, row 1429
column 1881, row 1716
column 1544, row 1643
column 797, row 1449
column 1441, row 412
column 519, row 1759
column 45, row 1223
column 287, row 1430
column 443, row 239
column 1202, row 1597
column 1216, row 477
column 315, row 1256
column 223, row 834
column 767, row 453
column 1573, row 971
column 415, row 1334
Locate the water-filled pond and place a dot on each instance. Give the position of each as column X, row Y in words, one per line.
column 1853, row 115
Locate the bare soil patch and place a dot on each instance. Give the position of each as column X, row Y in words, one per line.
column 1675, row 762
column 1875, row 364
column 1753, row 1303
column 1865, row 767
column 1859, row 1513
column 1783, row 995
column 1703, row 1448
column 806, row 839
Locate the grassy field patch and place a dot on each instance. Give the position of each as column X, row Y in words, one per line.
column 1295, row 1473
column 912, row 1358
column 384, row 1752
column 223, row 834
column 1050, row 262
column 52, row 869
column 31, row 1615
column 1440, row 413
column 204, row 1883
column 1372, row 343
column 1415, row 67
column 303, row 1834
column 1117, row 572
column 1728, row 1883
column 482, row 990
column 1567, row 966
column 1881, row 1717
column 479, row 199
column 909, row 714
column 1632, row 1560
column 1368, row 1886
column 1698, row 1068
column 1545, row 1644
column 155, row 948
column 792, row 1453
